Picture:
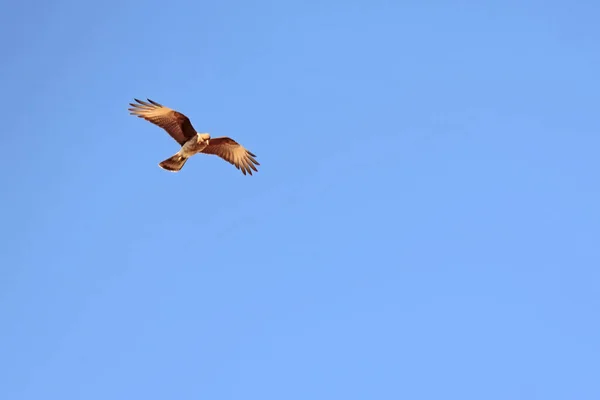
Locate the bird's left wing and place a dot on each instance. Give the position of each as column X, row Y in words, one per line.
column 175, row 123
column 232, row 152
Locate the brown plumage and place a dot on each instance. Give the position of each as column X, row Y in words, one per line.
column 179, row 127
column 232, row 152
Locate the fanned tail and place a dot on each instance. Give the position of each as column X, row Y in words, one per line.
column 174, row 163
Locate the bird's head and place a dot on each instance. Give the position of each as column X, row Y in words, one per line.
column 204, row 136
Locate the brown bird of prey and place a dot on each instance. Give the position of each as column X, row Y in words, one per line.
column 180, row 128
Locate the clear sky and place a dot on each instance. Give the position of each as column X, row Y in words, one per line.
column 425, row 222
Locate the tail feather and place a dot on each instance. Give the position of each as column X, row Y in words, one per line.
column 174, row 163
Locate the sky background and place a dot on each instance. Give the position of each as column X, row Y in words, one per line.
column 425, row 222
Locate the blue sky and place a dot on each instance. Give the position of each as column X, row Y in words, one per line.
column 424, row 223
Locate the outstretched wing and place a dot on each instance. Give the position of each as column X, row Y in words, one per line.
column 175, row 123
column 232, row 152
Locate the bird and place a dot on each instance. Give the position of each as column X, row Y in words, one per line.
column 179, row 127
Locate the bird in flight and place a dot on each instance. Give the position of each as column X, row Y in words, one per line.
column 180, row 128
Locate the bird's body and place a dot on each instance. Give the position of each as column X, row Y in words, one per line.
column 180, row 128
column 195, row 145
column 190, row 148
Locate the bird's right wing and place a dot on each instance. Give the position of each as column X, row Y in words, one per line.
column 175, row 123
column 232, row 152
